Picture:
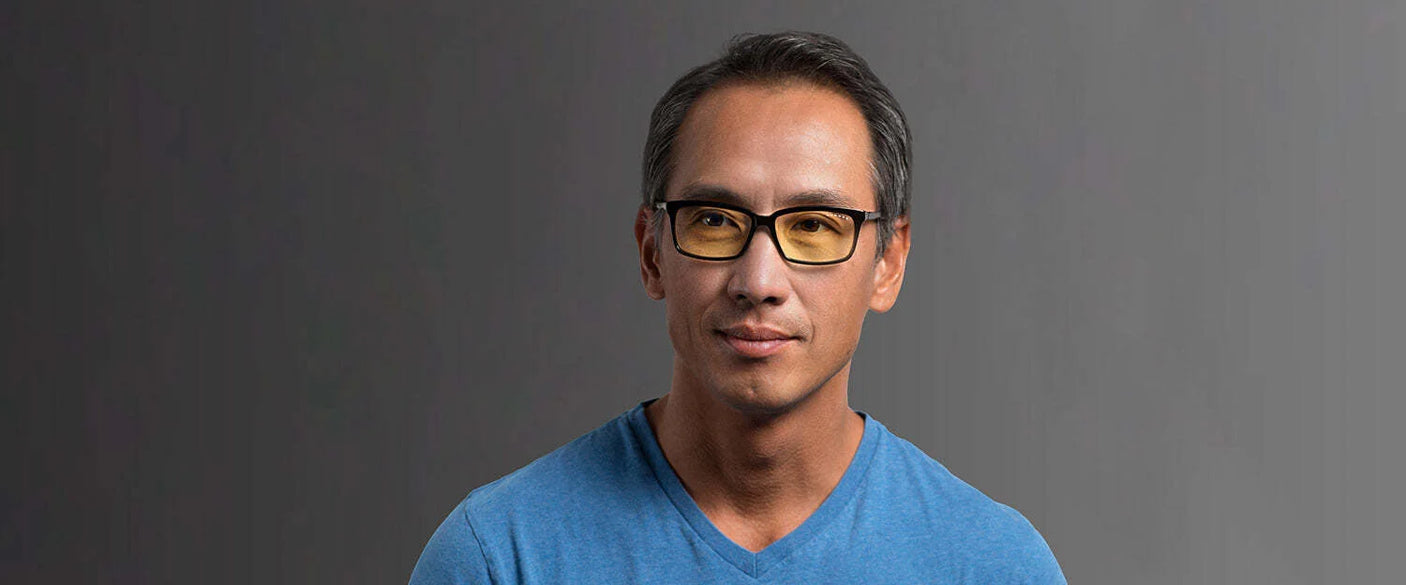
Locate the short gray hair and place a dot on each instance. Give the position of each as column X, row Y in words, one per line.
column 771, row 58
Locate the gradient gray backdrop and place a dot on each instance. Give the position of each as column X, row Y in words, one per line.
column 285, row 280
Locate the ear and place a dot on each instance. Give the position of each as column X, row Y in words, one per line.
column 649, row 254
column 888, row 271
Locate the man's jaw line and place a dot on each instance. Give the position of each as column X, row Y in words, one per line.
column 754, row 401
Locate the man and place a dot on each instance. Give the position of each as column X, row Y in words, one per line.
column 775, row 217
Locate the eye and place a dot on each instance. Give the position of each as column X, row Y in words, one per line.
column 811, row 223
column 713, row 219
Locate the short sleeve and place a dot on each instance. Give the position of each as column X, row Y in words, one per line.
column 1031, row 558
column 453, row 555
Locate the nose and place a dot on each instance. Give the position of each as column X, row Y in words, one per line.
column 761, row 275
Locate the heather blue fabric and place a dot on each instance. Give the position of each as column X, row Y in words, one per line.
column 607, row 508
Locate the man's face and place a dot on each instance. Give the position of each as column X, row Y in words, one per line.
column 759, row 333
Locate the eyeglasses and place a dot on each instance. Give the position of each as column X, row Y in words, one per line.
column 812, row 234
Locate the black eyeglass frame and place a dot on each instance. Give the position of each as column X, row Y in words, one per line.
column 859, row 217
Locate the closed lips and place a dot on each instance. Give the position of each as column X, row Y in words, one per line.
column 755, row 333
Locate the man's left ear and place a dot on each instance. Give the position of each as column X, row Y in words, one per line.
column 888, row 271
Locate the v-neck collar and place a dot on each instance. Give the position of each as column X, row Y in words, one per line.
column 753, row 564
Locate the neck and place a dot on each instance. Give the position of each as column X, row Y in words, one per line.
column 760, row 474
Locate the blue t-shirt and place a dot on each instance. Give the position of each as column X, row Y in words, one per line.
column 607, row 508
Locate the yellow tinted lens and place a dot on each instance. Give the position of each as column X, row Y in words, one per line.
column 712, row 232
column 815, row 236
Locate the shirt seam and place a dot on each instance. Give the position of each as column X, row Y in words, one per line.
column 487, row 567
column 659, row 481
column 854, row 497
column 752, row 562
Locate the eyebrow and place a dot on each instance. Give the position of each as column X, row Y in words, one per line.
column 704, row 192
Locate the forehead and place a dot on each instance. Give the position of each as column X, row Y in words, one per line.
column 774, row 145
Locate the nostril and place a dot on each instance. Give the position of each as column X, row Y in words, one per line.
column 748, row 301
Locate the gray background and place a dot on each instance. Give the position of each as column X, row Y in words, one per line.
column 284, row 280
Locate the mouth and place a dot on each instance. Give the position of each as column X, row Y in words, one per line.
column 755, row 342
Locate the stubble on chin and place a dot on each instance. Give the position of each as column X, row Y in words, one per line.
column 765, row 396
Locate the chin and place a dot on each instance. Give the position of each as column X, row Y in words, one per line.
column 761, row 399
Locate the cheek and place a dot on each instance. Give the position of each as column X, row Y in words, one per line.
column 690, row 293
column 837, row 310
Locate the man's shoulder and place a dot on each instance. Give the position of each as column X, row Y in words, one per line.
column 942, row 507
column 573, row 500
column 605, row 460
column 905, row 469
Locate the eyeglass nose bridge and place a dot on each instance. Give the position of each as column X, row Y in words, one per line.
column 770, row 222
